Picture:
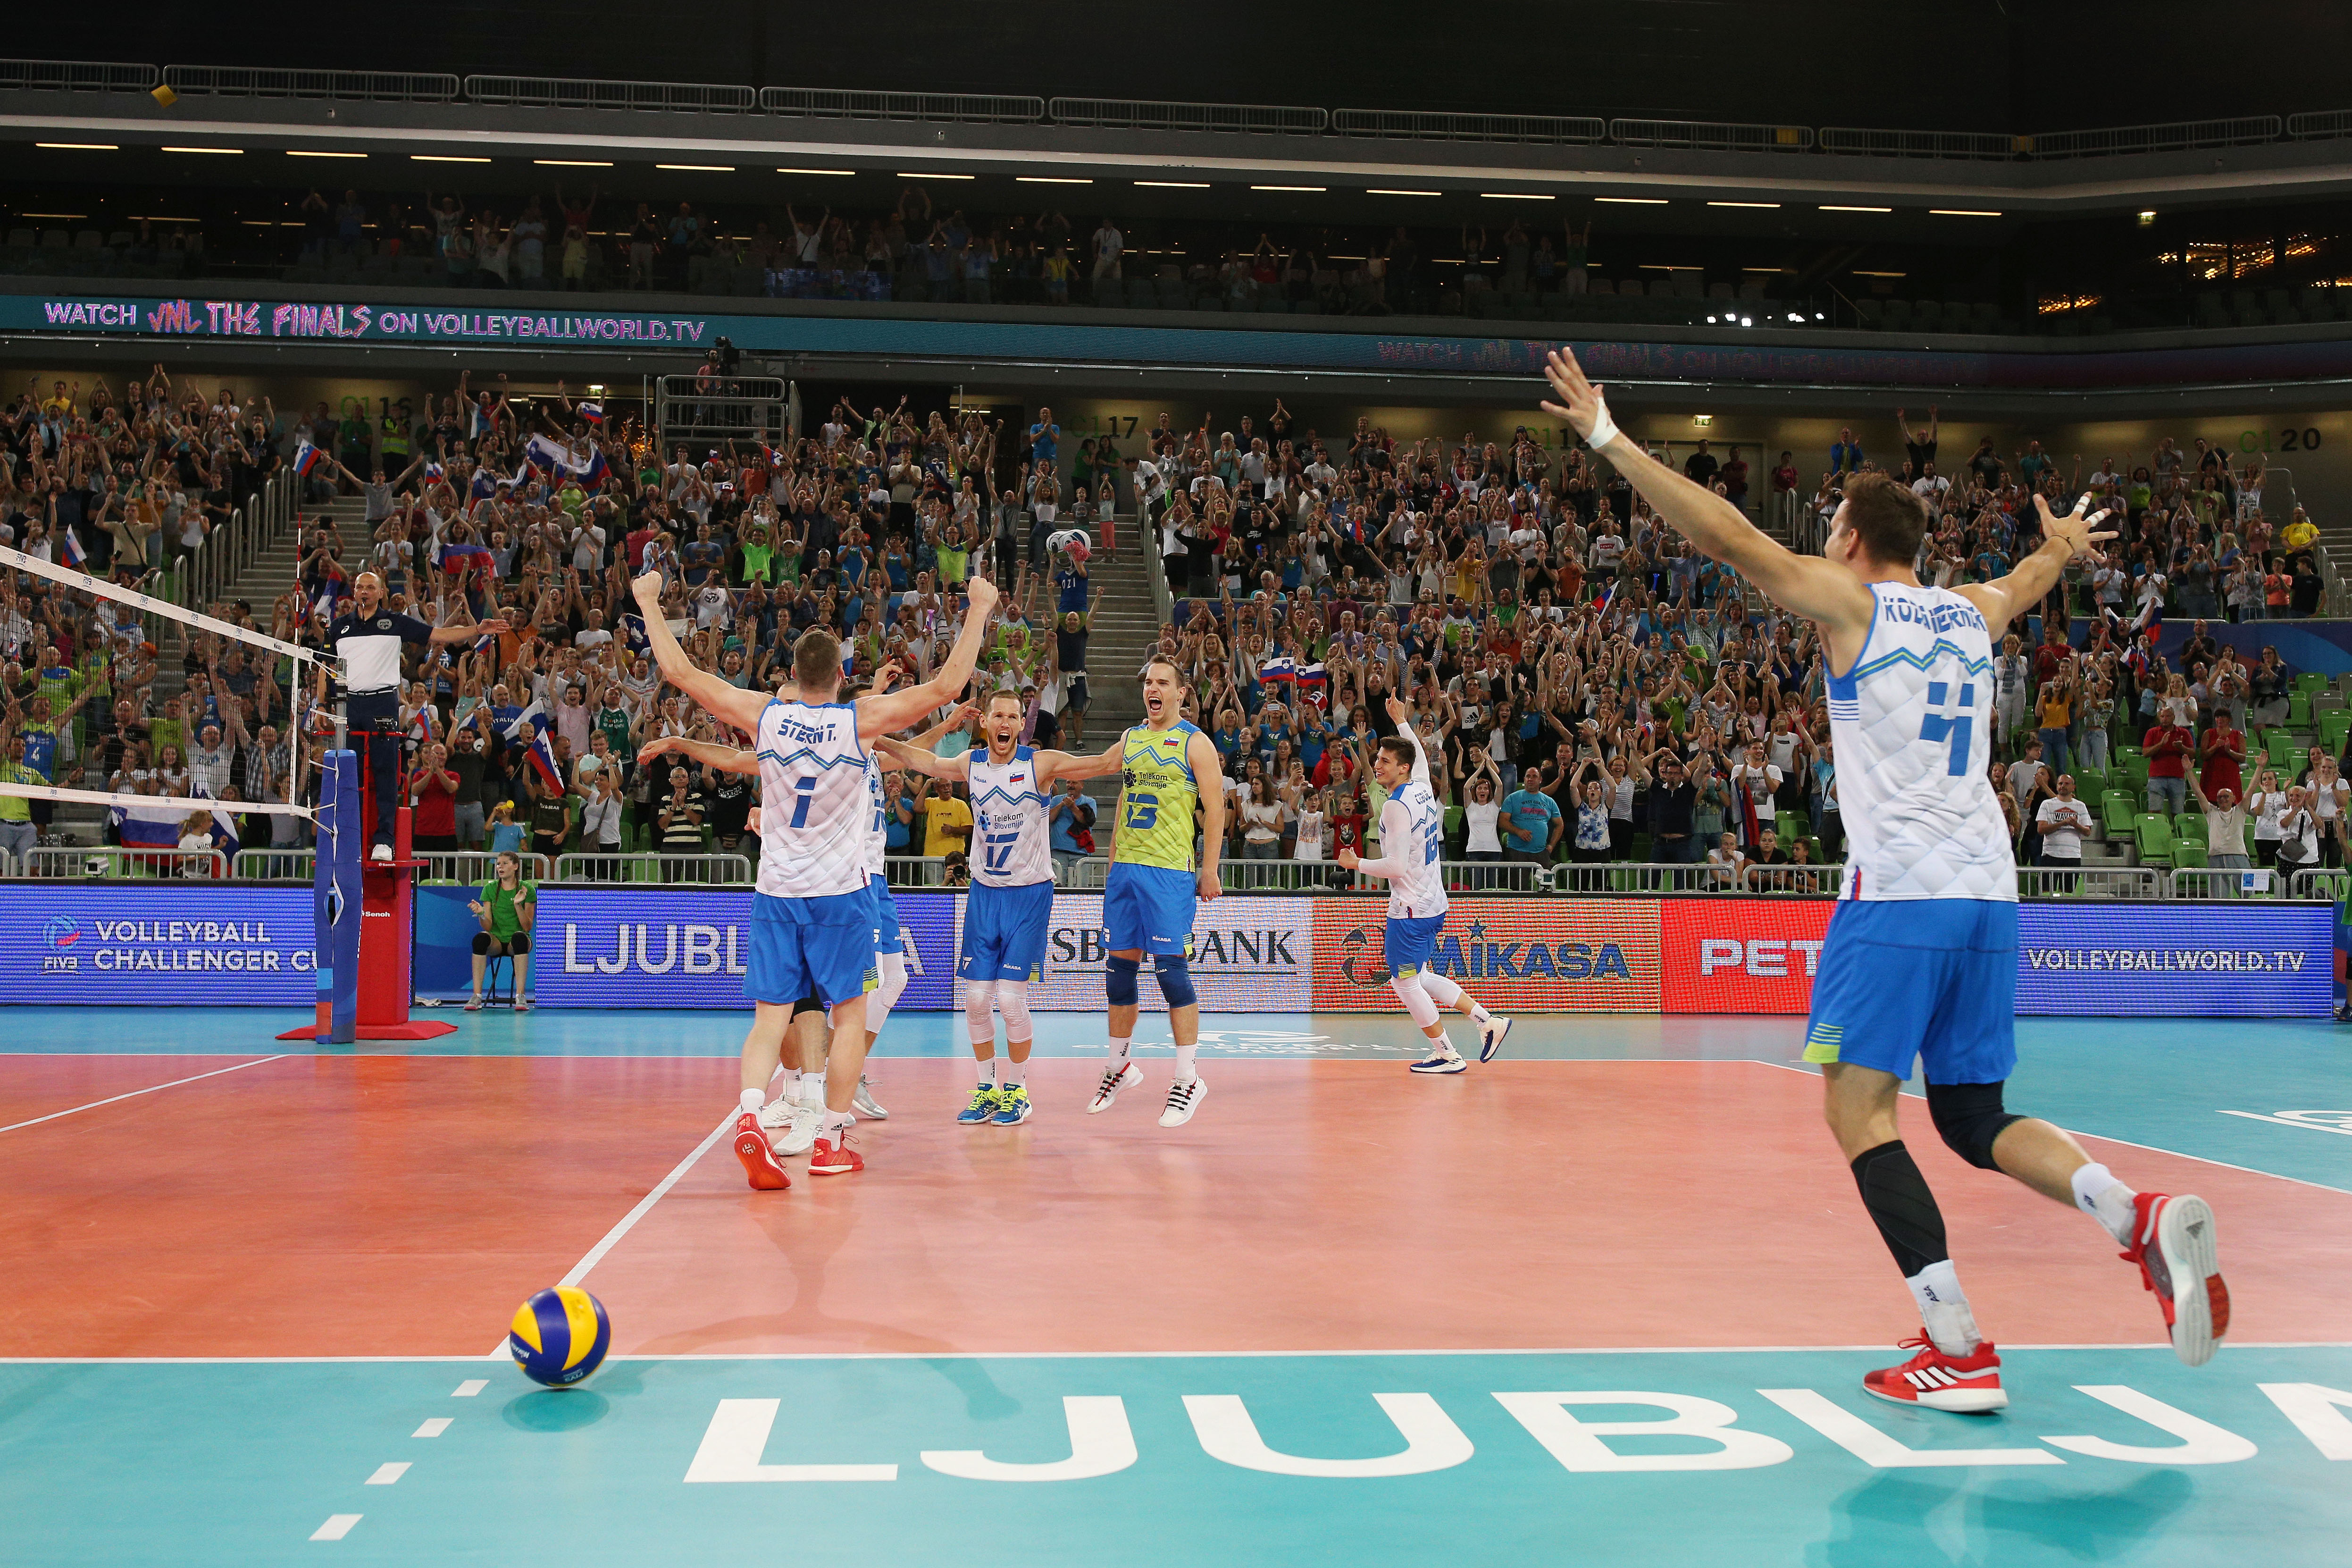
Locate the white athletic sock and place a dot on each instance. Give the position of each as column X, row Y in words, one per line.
column 813, row 1089
column 986, row 1066
column 1016, row 1074
column 2106, row 1200
column 1478, row 1012
column 750, row 1099
column 788, row 1083
column 1443, row 1045
column 1944, row 1308
column 1184, row 1073
column 836, row 1122
column 1118, row 1048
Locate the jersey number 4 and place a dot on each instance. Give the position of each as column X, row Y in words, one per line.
column 1952, row 731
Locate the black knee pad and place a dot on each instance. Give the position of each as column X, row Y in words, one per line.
column 481, row 941
column 519, row 943
column 1970, row 1116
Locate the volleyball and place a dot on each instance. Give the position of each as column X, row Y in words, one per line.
column 559, row 1336
column 1070, row 540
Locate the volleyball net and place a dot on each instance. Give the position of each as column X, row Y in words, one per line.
column 151, row 820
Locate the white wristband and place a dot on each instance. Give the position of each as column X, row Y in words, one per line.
column 1605, row 430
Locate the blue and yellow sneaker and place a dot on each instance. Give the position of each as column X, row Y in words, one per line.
column 982, row 1106
column 1012, row 1107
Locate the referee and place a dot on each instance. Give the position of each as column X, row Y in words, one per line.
column 368, row 638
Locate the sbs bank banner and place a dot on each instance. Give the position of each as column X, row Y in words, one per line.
column 646, row 948
column 1249, row 955
column 158, row 945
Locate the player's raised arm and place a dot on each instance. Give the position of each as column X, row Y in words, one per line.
column 878, row 713
column 2062, row 538
column 1811, row 585
column 718, row 697
column 1064, row 766
column 726, row 759
column 924, row 761
column 1401, row 715
column 1209, row 783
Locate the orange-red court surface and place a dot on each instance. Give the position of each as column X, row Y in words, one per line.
column 402, row 1204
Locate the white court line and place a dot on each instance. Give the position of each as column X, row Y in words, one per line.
column 93, row 1105
column 338, row 1525
column 2110, row 1138
column 627, row 1221
column 2282, row 1121
column 2151, row 1345
column 470, row 1387
column 433, row 1428
column 387, row 1474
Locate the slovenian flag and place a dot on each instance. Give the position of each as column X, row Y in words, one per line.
column 532, row 719
column 434, row 472
column 225, row 835
column 154, row 827
column 541, row 756
column 306, row 457
column 592, row 412
column 70, row 548
column 597, row 470
column 1280, row 671
column 544, row 455
column 1314, row 685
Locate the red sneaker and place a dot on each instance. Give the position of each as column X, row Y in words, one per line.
column 758, row 1160
column 1969, row 1384
column 833, row 1157
column 2173, row 1243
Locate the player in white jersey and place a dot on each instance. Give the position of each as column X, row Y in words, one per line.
column 1921, row 958
column 1412, row 833
column 1009, row 912
column 813, row 916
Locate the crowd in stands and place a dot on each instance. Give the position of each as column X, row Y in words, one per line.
column 1593, row 692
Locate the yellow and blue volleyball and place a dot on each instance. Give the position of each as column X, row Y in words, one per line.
column 559, row 1336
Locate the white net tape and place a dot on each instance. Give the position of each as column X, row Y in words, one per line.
column 150, row 805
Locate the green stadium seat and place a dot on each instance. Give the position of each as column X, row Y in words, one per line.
column 2188, row 856
column 2310, row 683
column 2090, row 783
column 2298, row 710
column 2188, row 828
column 2279, row 746
column 2335, row 724
column 2155, row 835
column 2117, row 808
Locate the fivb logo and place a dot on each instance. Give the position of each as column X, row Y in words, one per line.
column 1762, row 958
column 685, row 948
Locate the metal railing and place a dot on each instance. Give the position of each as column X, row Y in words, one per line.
column 968, row 108
column 2319, row 883
column 264, row 81
column 701, row 871
column 2318, row 124
column 229, row 548
column 2094, row 881
column 68, row 863
column 913, row 870
column 478, row 866
column 1286, row 877
column 76, row 76
column 2178, row 136
column 1711, row 136
column 1810, row 881
column 2208, row 882
column 8, row 864
column 1636, row 876
column 1088, row 876
column 1981, row 144
column 742, row 407
column 574, row 92
column 1420, row 126
column 274, row 865
column 1136, row 114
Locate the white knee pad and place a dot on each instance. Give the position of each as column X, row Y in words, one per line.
column 893, row 969
column 980, row 1027
column 1416, row 1000
column 1012, row 1000
column 1442, row 990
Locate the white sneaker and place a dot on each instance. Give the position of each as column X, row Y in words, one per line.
column 800, row 1137
column 864, row 1104
column 383, row 855
column 1113, row 1080
column 778, row 1113
column 1490, row 1036
column 1183, row 1098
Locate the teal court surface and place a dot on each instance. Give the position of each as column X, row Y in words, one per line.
column 1606, row 1300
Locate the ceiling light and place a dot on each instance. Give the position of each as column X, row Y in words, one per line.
column 2147, row 215
column 1666, row 266
column 300, row 152
column 816, row 171
column 1794, row 317
column 1176, row 185
column 905, row 175
column 699, row 168
column 1819, row 317
column 1846, row 209
column 1743, row 204
column 1516, row 196
column 1635, row 201
column 80, row 146
column 1404, row 193
column 1052, row 180
column 443, row 158
column 217, row 150
column 1710, row 320
column 574, row 162
column 1866, row 273
column 1746, row 321
column 52, row 214
column 1959, row 212
column 1767, row 269
column 1311, row 190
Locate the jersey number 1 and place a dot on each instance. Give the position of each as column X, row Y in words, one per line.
column 1953, row 731
column 805, row 791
